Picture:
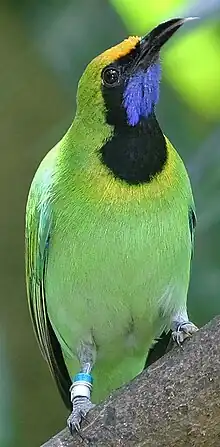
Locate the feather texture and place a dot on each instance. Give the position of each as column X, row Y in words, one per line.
column 38, row 225
column 107, row 255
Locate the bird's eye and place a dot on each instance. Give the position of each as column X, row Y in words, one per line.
column 110, row 77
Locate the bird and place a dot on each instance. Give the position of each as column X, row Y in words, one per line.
column 109, row 233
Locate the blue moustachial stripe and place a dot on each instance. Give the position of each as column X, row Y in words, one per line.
column 141, row 94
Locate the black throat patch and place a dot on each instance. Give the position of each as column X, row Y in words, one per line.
column 135, row 154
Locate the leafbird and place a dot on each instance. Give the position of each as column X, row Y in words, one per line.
column 110, row 225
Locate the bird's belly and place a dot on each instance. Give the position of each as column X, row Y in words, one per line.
column 116, row 284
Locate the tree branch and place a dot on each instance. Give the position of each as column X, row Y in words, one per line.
column 176, row 401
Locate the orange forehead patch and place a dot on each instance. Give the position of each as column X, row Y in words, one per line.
column 123, row 48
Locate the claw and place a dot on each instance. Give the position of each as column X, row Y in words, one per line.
column 184, row 330
column 81, row 407
column 84, row 417
column 77, row 426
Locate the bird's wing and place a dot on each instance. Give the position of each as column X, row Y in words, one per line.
column 38, row 233
column 160, row 348
column 192, row 224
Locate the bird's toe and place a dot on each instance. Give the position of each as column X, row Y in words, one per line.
column 183, row 331
column 81, row 406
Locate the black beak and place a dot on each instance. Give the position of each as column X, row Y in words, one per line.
column 151, row 44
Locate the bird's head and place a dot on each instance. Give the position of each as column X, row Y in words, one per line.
column 121, row 86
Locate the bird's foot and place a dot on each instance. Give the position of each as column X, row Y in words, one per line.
column 81, row 406
column 184, row 330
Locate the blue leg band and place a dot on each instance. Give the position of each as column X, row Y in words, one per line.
column 83, row 377
column 81, row 386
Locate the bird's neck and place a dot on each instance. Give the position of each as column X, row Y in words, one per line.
column 135, row 154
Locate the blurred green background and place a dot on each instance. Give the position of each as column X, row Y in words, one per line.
column 44, row 47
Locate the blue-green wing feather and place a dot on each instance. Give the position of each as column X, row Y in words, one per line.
column 192, row 224
column 38, row 228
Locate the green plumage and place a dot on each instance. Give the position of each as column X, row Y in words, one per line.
column 108, row 263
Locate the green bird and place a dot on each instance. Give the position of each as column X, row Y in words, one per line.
column 109, row 230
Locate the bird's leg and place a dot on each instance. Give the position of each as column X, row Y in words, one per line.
column 181, row 327
column 81, row 387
